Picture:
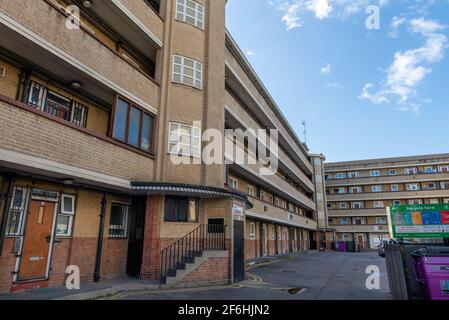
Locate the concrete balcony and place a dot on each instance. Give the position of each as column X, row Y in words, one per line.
column 35, row 142
column 237, row 117
column 239, row 81
column 136, row 20
column 389, row 195
column 38, row 34
column 273, row 183
column 398, row 179
column 361, row 228
column 357, row 213
column 270, row 213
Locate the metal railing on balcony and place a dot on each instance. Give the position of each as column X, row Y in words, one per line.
column 204, row 238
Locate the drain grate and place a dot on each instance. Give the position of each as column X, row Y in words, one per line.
column 294, row 291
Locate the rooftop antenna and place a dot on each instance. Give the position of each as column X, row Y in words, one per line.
column 304, row 124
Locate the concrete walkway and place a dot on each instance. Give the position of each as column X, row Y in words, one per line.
column 87, row 291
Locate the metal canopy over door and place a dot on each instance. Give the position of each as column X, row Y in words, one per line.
column 239, row 251
column 37, row 240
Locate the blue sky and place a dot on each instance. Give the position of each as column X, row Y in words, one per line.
column 364, row 93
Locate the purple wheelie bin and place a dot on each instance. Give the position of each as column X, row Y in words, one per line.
column 341, row 246
column 432, row 272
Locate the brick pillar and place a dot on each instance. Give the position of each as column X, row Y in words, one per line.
column 152, row 243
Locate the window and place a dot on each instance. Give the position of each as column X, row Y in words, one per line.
column 184, row 140
column 340, row 175
column 234, row 183
column 409, row 171
column 190, row 12
column 330, row 220
column 357, row 205
column 187, row 71
column 444, row 185
column 443, row 169
column 374, row 173
column 277, row 202
column 330, row 206
column 133, row 126
column 355, row 190
column 181, row 209
column 446, row 200
column 392, row 172
column 344, row 221
column 65, row 216
column 396, row 202
column 343, row 205
column 353, row 175
column 376, row 189
column 262, row 195
column 56, row 105
column 415, row 202
column 412, row 187
column 118, row 223
column 378, row 204
column 319, row 196
column 429, row 170
column 347, row 237
column 394, row 188
column 328, row 177
column 341, row 190
column 215, row 225
column 434, row 201
column 16, row 212
column 318, row 178
column 250, row 190
column 381, row 220
column 252, row 231
column 359, row 221
column 431, row 186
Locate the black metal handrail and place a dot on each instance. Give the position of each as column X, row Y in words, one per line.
column 184, row 250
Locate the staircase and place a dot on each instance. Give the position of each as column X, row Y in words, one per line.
column 187, row 253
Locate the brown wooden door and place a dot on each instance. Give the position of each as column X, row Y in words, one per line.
column 36, row 243
column 360, row 242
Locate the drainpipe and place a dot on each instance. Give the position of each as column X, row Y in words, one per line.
column 100, row 240
column 7, row 196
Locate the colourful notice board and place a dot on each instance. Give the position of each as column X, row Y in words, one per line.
column 419, row 221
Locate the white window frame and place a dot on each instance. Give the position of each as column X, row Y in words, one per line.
column 410, row 171
column 353, row 175
column 444, row 185
column 341, row 190
column 65, row 213
column 126, row 220
column 182, row 13
column 434, row 201
column 395, row 201
column 22, row 215
column 358, row 188
column 394, row 188
column 426, row 171
column 431, row 188
column 252, row 231
column 443, row 169
column 381, row 220
column 182, row 130
column 250, row 190
column 446, row 200
column 357, row 205
column 362, row 221
column 374, row 173
column 374, row 189
column 197, row 71
column 413, row 187
column 392, row 172
column 343, row 205
column 412, row 202
column 345, row 219
column 234, row 183
column 346, row 237
column 340, row 175
column 378, row 204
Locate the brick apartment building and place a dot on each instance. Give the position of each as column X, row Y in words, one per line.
column 358, row 193
column 92, row 113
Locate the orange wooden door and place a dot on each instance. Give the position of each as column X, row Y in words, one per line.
column 36, row 245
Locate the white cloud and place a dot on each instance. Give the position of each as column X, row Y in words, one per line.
column 321, row 8
column 295, row 10
column 250, row 53
column 394, row 25
column 410, row 68
column 326, row 69
column 332, row 85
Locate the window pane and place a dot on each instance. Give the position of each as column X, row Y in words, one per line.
column 183, row 209
column 192, row 211
column 170, row 209
column 134, row 127
column 62, row 225
column 121, row 115
column 67, row 204
column 147, row 130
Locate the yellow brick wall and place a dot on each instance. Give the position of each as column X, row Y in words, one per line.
column 10, row 82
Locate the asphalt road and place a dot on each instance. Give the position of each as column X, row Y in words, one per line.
column 314, row 276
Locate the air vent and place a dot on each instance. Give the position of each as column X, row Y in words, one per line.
column 2, row 71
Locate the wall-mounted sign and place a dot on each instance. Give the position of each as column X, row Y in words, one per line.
column 237, row 211
column 44, row 195
column 419, row 221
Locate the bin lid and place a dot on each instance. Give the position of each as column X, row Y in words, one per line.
column 432, row 251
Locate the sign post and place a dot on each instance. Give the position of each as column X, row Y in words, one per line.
column 419, row 221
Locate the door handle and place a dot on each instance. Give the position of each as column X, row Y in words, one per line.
column 48, row 238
